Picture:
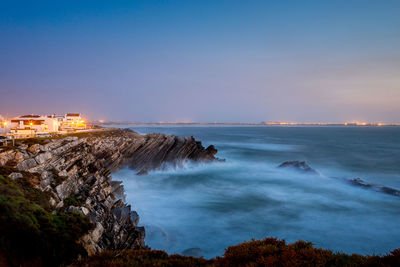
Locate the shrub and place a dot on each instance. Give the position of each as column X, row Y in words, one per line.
column 267, row 252
column 136, row 258
column 74, row 201
column 33, row 236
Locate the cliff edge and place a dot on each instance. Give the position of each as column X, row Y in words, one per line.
column 75, row 172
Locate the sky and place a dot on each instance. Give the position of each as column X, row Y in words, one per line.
column 202, row 61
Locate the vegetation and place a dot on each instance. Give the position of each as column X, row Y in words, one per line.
column 267, row 252
column 30, row 234
column 74, row 201
column 274, row 252
column 44, row 140
column 136, row 258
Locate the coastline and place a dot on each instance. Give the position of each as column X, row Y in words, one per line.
column 183, row 124
column 75, row 172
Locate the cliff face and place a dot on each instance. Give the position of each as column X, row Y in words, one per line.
column 75, row 171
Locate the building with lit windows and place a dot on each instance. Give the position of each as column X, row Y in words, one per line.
column 73, row 121
column 4, row 125
column 27, row 125
column 38, row 125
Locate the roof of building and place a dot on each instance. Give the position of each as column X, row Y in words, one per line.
column 30, row 116
column 73, row 115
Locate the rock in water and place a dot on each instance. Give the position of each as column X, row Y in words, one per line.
column 298, row 165
column 376, row 187
column 304, row 167
column 195, row 252
column 359, row 182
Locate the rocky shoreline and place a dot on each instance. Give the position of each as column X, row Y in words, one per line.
column 75, row 171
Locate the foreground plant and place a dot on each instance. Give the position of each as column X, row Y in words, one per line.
column 267, row 252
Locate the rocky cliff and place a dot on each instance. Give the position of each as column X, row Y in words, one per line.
column 75, row 172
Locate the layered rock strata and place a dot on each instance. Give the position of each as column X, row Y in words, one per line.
column 75, row 171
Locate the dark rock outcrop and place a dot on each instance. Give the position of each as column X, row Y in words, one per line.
column 194, row 252
column 159, row 151
column 376, row 187
column 304, row 167
column 75, row 171
column 298, row 165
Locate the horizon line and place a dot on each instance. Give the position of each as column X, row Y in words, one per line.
column 378, row 124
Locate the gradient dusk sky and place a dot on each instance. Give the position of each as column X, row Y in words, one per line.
column 203, row 61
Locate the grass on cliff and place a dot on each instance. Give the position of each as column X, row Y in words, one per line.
column 30, row 234
column 267, row 252
column 43, row 140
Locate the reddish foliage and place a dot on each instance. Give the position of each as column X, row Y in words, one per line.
column 267, row 252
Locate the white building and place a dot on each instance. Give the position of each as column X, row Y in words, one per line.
column 4, row 125
column 33, row 124
column 73, row 121
column 37, row 125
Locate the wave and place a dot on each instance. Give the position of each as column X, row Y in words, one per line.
column 213, row 206
column 260, row 146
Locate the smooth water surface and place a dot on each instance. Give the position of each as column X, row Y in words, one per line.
column 213, row 206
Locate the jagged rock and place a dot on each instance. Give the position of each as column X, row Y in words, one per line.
column 6, row 156
column 159, row 150
column 108, row 202
column 63, row 173
column 97, row 232
column 68, row 187
column 117, row 189
column 360, row 182
column 59, row 204
column 73, row 209
column 27, row 164
column 376, row 187
column 122, row 213
column 46, row 178
column 79, row 168
column 19, row 157
column 84, row 211
column 71, row 138
column 52, row 202
column 298, row 165
column 34, row 148
column 23, row 147
column 135, row 218
column 43, row 157
column 15, row 175
column 142, row 172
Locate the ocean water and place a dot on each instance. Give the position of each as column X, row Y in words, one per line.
column 213, row 206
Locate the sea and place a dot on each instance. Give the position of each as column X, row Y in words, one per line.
column 201, row 209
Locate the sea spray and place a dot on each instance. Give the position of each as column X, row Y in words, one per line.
column 213, row 206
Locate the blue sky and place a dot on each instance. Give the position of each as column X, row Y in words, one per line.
column 205, row 61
